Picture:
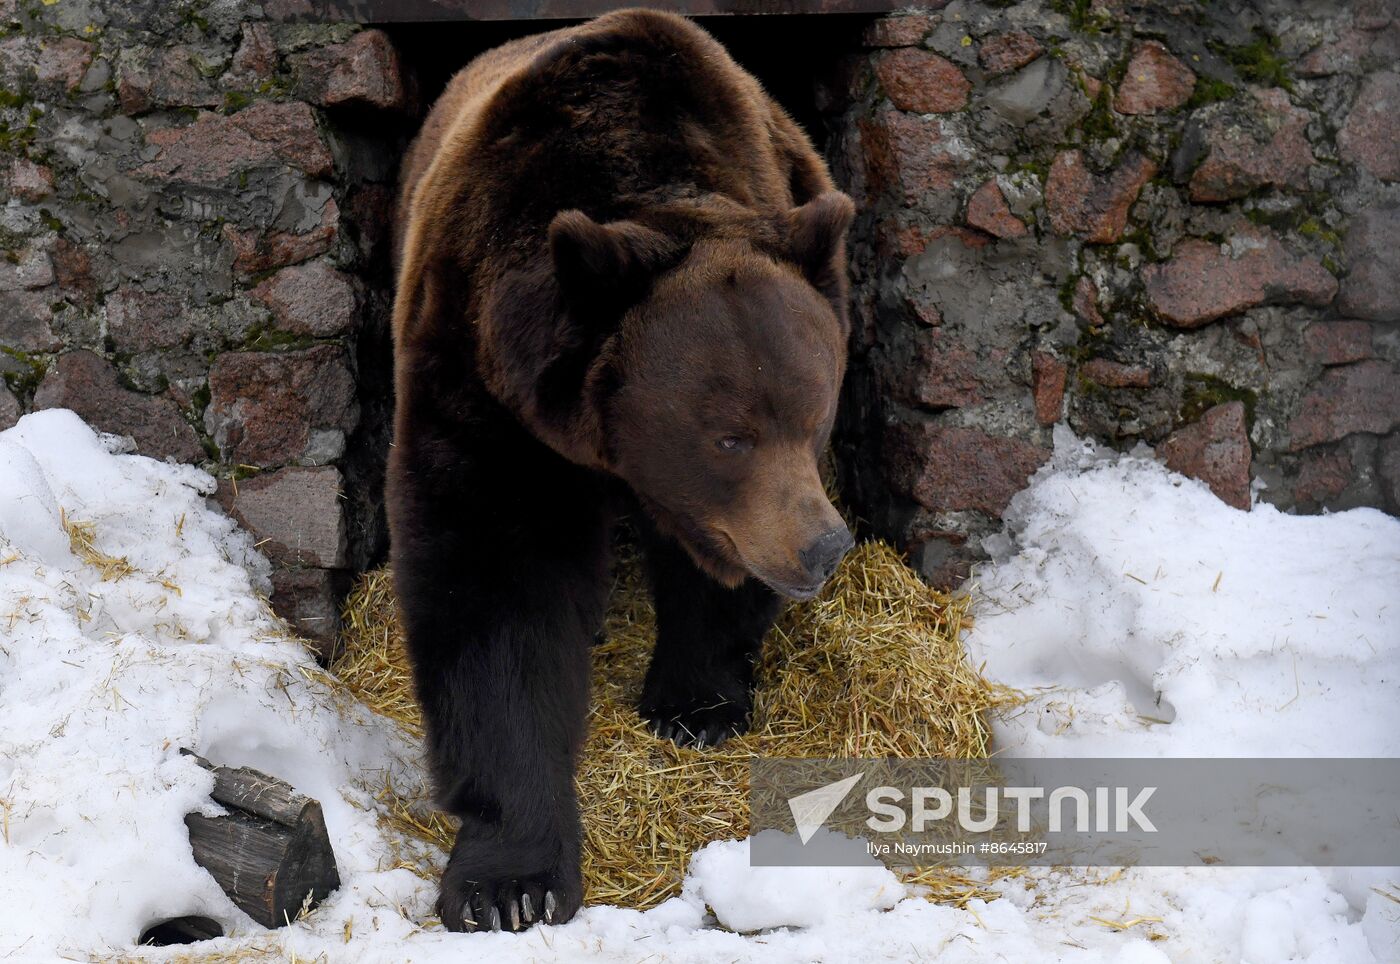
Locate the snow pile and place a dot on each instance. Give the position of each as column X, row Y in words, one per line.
column 151, row 636
column 745, row 898
column 1169, row 623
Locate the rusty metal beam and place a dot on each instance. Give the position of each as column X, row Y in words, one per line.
column 418, row 11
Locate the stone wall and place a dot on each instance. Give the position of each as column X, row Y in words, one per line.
column 194, row 239
column 1173, row 222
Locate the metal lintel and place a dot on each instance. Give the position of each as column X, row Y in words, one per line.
column 419, row 11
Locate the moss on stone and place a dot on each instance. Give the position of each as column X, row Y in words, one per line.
column 1081, row 15
column 1067, row 292
column 1087, row 388
column 12, row 244
column 193, row 18
column 194, row 415
column 1259, row 62
column 16, row 138
column 274, row 87
column 1140, row 235
column 1029, row 165
column 121, row 362
column 1209, row 90
column 1101, row 123
column 1092, row 343
column 199, row 399
column 22, row 383
column 267, row 338
column 1313, row 228
column 236, row 100
column 1267, row 219
column 1202, row 392
column 1304, row 219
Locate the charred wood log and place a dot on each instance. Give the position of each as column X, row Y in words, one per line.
column 270, row 852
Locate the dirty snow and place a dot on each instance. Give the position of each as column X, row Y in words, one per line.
column 1291, row 649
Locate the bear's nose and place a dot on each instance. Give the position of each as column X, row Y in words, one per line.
column 820, row 558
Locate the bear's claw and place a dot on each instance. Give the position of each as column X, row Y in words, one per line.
column 509, row 906
column 699, row 726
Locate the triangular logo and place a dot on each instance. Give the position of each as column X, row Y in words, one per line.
column 810, row 809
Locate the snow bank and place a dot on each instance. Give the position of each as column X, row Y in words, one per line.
column 102, row 680
column 1151, row 619
column 1165, row 622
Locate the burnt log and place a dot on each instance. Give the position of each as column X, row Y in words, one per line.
column 270, row 852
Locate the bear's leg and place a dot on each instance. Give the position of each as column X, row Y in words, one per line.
column 500, row 565
column 699, row 686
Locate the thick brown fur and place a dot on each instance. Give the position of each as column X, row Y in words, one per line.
column 621, row 286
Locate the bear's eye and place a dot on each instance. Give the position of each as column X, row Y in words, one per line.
column 734, row 443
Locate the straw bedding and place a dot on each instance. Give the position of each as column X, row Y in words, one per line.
column 873, row 667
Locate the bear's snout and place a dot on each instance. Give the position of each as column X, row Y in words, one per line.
column 786, row 533
column 821, row 558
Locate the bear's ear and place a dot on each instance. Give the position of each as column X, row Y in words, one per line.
column 817, row 238
column 609, row 261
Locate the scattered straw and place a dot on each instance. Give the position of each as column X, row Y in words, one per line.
column 1123, row 925
column 1384, row 893
column 82, row 538
column 874, row 667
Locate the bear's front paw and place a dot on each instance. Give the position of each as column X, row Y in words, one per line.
column 508, row 905
column 473, row 900
column 698, row 724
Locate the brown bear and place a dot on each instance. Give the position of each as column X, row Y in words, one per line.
column 621, row 290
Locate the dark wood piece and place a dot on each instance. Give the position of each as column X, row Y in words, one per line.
column 269, row 851
column 181, row 930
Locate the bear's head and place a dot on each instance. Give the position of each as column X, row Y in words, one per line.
column 714, row 380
